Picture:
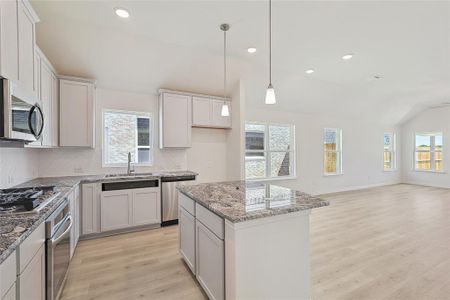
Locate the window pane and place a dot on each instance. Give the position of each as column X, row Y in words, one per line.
column 330, row 139
column 255, row 165
column 143, row 127
column 120, row 137
column 438, row 161
column 280, row 164
column 144, row 156
column 279, row 138
column 438, row 142
column 423, row 160
column 254, row 136
column 387, row 141
column 330, row 162
column 423, row 142
column 122, row 133
column 387, row 160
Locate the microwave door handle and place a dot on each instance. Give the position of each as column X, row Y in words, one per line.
column 30, row 125
column 56, row 240
column 42, row 120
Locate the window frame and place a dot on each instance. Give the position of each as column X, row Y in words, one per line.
column 339, row 167
column 141, row 114
column 392, row 150
column 267, row 152
column 432, row 151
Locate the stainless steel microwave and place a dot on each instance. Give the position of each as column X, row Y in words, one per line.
column 21, row 117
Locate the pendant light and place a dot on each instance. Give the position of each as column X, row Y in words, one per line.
column 225, row 109
column 270, row 92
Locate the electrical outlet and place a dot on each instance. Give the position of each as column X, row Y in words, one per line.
column 78, row 170
column 10, row 179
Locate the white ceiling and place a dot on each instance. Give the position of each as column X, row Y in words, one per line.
column 178, row 44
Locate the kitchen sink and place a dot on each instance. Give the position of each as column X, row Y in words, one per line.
column 129, row 175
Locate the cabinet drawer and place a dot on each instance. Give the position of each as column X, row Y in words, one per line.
column 210, row 220
column 30, row 246
column 8, row 273
column 187, row 203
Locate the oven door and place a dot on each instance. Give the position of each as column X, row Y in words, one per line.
column 58, row 257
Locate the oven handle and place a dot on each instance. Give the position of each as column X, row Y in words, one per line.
column 56, row 240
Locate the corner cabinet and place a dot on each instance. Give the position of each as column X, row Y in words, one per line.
column 77, row 112
column 175, row 120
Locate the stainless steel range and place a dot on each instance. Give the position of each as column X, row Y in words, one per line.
column 26, row 200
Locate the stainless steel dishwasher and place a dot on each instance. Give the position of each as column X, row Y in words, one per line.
column 169, row 198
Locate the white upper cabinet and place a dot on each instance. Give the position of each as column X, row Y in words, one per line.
column 9, row 67
column 46, row 93
column 77, row 111
column 48, row 100
column 26, row 50
column 175, row 120
column 201, row 112
column 55, row 111
column 207, row 112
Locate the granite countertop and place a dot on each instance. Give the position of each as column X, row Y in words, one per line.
column 239, row 201
column 15, row 228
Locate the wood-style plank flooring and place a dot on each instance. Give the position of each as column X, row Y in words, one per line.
column 390, row 242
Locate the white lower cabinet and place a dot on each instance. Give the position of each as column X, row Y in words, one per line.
column 146, row 207
column 130, row 207
column 90, row 208
column 187, row 237
column 74, row 207
column 32, row 279
column 202, row 246
column 210, row 260
column 115, row 210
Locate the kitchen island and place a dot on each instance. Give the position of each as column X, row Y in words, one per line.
column 247, row 240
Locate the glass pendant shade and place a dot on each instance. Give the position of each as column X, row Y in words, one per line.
column 225, row 110
column 270, row 95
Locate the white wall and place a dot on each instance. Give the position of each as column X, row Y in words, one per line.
column 236, row 136
column 17, row 165
column 205, row 156
column 430, row 120
column 362, row 152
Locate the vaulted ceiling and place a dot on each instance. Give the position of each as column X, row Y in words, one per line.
column 178, row 44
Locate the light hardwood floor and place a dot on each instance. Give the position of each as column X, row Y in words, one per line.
column 390, row 242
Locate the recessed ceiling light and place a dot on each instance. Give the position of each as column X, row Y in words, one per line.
column 251, row 50
column 122, row 12
column 310, row 71
column 347, row 56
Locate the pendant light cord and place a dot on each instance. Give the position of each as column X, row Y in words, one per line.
column 224, row 63
column 270, row 42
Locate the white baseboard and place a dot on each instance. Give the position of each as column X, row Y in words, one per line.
column 427, row 184
column 361, row 187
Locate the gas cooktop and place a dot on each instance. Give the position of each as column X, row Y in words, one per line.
column 21, row 200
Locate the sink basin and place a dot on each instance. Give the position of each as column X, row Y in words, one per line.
column 128, row 175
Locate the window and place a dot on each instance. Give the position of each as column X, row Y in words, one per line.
column 269, row 151
column 125, row 132
column 332, row 147
column 428, row 152
column 389, row 152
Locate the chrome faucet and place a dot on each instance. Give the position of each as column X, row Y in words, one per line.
column 129, row 169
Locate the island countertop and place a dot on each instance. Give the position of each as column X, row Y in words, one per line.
column 239, row 201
